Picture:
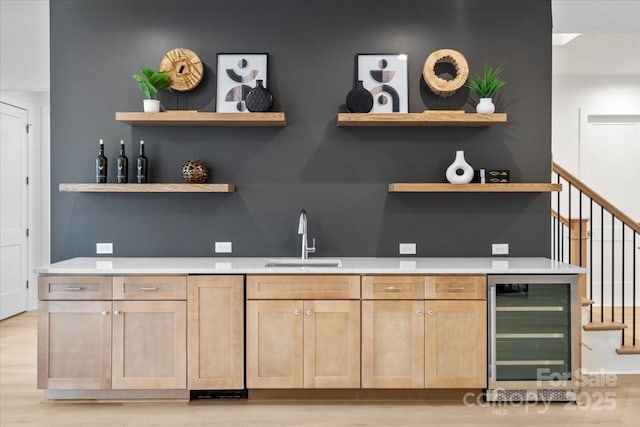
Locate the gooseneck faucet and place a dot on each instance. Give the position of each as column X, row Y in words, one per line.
column 302, row 229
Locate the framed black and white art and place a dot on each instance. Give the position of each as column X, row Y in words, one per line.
column 237, row 75
column 385, row 76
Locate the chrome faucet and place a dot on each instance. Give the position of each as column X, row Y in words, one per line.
column 302, row 229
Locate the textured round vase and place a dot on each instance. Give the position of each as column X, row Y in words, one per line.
column 259, row 99
column 459, row 172
column 485, row 106
column 359, row 99
column 195, row 172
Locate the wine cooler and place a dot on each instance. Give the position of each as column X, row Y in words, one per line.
column 534, row 337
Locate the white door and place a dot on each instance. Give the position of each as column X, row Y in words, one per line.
column 610, row 158
column 13, row 210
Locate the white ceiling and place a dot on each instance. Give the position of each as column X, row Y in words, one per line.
column 609, row 44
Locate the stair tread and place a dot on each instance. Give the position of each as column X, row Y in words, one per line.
column 604, row 326
column 628, row 349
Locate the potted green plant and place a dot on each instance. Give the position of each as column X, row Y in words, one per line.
column 485, row 86
column 150, row 82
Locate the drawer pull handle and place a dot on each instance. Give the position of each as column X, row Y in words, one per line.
column 149, row 288
column 455, row 288
column 393, row 288
column 74, row 288
column 297, row 312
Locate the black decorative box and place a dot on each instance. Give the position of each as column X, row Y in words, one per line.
column 497, row 176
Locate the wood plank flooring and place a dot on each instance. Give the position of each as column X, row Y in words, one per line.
column 22, row 405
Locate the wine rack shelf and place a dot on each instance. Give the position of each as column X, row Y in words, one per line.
column 411, row 187
column 148, row 188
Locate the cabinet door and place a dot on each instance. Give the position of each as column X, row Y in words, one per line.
column 149, row 345
column 456, row 344
column 393, row 344
column 215, row 332
column 274, row 344
column 332, row 344
column 74, row 345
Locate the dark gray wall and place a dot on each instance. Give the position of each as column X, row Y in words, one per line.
column 339, row 175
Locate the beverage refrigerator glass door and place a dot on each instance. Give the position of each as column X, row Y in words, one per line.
column 534, row 332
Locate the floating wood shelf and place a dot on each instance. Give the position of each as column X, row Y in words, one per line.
column 430, row 118
column 410, row 187
column 148, row 188
column 194, row 118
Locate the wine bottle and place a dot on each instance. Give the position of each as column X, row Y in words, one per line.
column 101, row 164
column 123, row 165
column 141, row 165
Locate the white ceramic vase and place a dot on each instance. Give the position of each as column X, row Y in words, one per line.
column 151, row 105
column 459, row 172
column 485, row 106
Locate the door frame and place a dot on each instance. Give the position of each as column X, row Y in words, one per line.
column 38, row 171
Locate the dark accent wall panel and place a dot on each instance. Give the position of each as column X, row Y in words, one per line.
column 339, row 175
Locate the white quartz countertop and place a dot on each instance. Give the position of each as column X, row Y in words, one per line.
column 349, row 265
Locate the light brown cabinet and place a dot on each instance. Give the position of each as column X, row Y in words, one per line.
column 456, row 344
column 435, row 341
column 90, row 338
column 215, row 332
column 310, row 343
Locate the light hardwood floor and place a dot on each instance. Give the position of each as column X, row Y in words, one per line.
column 22, row 405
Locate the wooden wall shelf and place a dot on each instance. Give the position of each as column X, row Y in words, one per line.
column 194, row 118
column 148, row 188
column 431, row 118
column 410, row 187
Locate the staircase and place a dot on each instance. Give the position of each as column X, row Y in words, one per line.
column 589, row 231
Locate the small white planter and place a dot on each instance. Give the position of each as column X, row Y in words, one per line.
column 485, row 106
column 151, row 105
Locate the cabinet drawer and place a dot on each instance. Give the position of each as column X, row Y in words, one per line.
column 303, row 287
column 392, row 287
column 150, row 288
column 455, row 287
column 74, row 287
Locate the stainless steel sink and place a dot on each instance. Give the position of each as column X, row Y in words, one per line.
column 299, row 262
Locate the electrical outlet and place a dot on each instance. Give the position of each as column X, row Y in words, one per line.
column 222, row 247
column 407, row 248
column 104, row 248
column 500, row 249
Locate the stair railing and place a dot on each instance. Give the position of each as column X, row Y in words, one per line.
column 573, row 238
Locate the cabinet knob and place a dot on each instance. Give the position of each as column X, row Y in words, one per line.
column 297, row 312
column 105, row 313
column 430, row 312
column 419, row 312
column 309, row 312
column 116, row 312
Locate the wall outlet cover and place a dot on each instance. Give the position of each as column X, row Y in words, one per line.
column 500, row 249
column 407, row 248
column 104, row 248
column 222, row 247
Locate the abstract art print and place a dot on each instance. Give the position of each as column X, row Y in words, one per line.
column 237, row 75
column 385, row 76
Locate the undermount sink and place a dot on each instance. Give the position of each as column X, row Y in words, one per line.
column 299, row 262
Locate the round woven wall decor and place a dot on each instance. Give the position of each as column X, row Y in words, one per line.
column 438, row 85
column 184, row 67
